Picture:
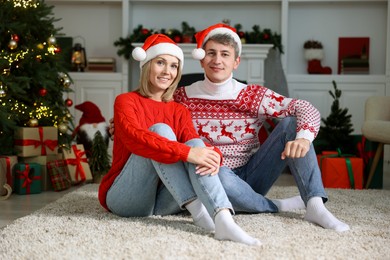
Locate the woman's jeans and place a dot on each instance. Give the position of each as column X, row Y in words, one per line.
column 146, row 187
column 246, row 186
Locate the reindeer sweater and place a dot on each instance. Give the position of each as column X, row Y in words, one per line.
column 229, row 115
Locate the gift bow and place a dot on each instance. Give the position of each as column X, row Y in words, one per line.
column 347, row 161
column 27, row 180
column 77, row 161
column 51, row 144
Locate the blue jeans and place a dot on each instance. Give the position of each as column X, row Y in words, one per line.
column 246, row 186
column 146, row 187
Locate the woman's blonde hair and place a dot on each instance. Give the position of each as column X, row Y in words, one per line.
column 145, row 84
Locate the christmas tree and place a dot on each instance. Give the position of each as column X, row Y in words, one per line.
column 99, row 160
column 337, row 128
column 33, row 74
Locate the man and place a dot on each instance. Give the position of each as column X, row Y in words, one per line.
column 229, row 115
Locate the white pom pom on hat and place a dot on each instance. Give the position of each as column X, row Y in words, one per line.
column 155, row 45
column 139, row 54
column 202, row 37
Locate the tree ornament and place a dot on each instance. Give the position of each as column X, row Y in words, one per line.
column 42, row 92
column 15, row 37
column 63, row 128
column 57, row 49
column 12, row 44
column 68, row 102
column 40, row 46
column 52, row 40
column 33, row 122
column 3, row 90
column 67, row 83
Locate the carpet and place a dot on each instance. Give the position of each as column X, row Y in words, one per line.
column 76, row 227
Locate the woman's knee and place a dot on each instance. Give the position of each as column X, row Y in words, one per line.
column 289, row 126
column 163, row 130
column 195, row 143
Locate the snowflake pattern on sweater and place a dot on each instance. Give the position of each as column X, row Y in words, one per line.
column 233, row 125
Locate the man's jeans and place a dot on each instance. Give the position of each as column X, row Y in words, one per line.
column 137, row 191
column 246, row 186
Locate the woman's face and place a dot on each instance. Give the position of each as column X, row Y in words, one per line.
column 163, row 71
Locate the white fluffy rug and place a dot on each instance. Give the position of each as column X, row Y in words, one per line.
column 76, row 227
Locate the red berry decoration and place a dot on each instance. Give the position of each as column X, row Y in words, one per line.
column 144, row 31
column 241, row 34
column 265, row 36
column 177, row 39
column 68, row 102
column 42, row 92
column 57, row 50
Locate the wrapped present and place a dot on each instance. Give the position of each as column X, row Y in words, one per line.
column 34, row 141
column 59, row 175
column 27, row 178
column 77, row 162
column 341, row 170
column 7, row 164
column 366, row 149
column 42, row 160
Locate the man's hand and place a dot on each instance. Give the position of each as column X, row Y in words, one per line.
column 296, row 149
column 206, row 159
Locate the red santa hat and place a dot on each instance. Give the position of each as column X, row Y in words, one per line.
column 157, row 44
column 219, row 28
column 91, row 113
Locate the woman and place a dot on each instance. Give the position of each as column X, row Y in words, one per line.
column 160, row 165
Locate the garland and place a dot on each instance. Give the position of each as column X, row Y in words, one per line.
column 186, row 35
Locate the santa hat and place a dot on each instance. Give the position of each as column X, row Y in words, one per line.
column 219, row 28
column 157, row 44
column 91, row 113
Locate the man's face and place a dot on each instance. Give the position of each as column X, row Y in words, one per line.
column 219, row 61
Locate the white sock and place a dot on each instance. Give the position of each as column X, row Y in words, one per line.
column 289, row 204
column 227, row 229
column 200, row 215
column 317, row 213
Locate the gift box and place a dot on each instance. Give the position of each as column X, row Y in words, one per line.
column 366, row 149
column 7, row 164
column 34, row 141
column 59, row 175
column 27, row 178
column 77, row 164
column 341, row 171
column 42, row 160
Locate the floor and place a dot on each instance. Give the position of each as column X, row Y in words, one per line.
column 17, row 206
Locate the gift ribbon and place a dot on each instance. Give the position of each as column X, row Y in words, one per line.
column 27, row 180
column 77, row 161
column 51, row 144
column 347, row 161
column 365, row 155
column 8, row 174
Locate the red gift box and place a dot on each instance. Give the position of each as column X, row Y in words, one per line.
column 59, row 175
column 341, row 171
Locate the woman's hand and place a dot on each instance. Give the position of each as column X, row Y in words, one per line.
column 206, row 159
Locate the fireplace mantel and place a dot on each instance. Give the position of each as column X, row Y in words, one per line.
column 251, row 68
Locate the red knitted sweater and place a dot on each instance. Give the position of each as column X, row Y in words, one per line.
column 133, row 115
